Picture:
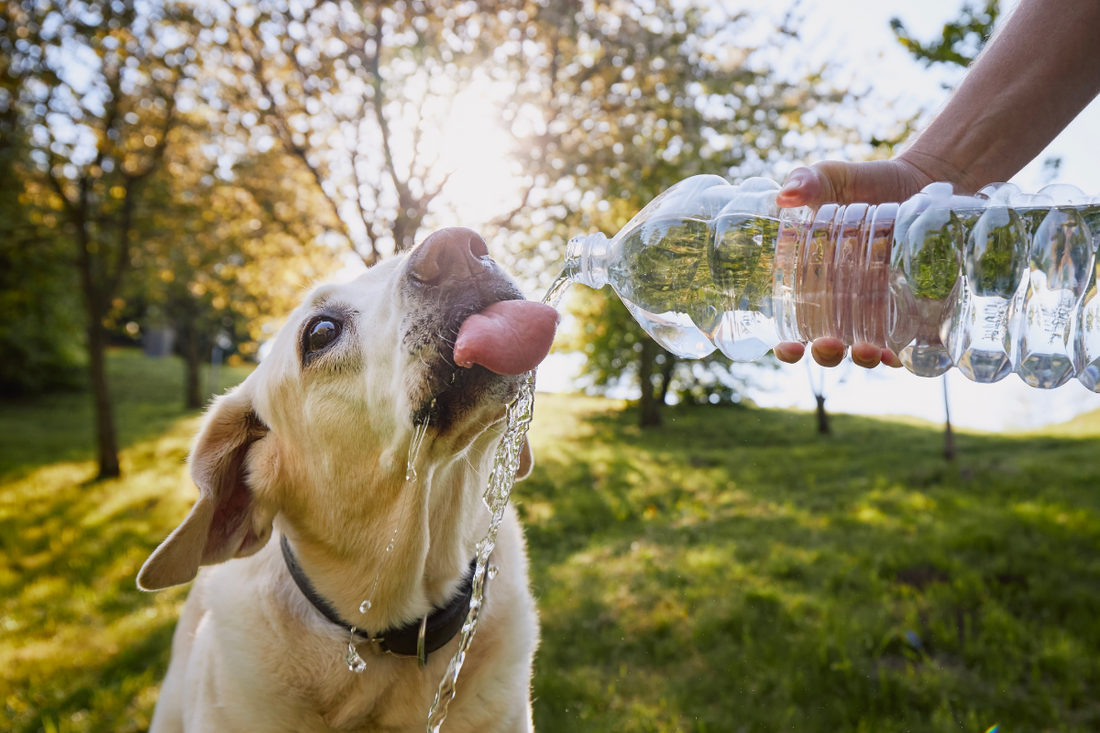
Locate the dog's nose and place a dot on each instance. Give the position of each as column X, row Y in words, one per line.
column 454, row 253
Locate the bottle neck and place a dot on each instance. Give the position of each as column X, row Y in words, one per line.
column 586, row 260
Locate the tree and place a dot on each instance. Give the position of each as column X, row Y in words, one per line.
column 215, row 258
column 358, row 95
column 40, row 346
column 612, row 104
column 96, row 85
column 960, row 41
column 819, row 398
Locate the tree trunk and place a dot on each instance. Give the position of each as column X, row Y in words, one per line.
column 193, row 398
column 106, row 442
column 666, row 378
column 822, row 416
column 651, row 411
column 949, row 451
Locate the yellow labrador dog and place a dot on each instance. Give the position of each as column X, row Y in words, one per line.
column 305, row 512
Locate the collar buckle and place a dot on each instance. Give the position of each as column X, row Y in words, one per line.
column 421, row 650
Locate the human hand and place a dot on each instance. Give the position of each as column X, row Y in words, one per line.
column 834, row 181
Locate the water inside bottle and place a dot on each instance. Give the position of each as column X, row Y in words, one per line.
column 742, row 261
column 698, row 284
column 663, row 277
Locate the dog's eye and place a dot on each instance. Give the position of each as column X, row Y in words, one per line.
column 322, row 333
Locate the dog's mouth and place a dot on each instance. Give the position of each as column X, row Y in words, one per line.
column 476, row 348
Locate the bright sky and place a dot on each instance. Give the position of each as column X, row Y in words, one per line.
column 855, row 35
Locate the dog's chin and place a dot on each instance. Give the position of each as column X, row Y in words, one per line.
column 474, row 397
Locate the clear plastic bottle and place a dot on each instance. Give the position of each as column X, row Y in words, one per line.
column 996, row 283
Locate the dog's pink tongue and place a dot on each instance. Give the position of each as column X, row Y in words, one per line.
column 509, row 337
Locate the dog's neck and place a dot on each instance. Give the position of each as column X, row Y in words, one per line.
column 406, row 553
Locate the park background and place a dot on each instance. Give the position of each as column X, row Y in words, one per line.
column 704, row 556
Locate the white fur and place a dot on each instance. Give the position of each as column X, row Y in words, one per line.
column 326, row 467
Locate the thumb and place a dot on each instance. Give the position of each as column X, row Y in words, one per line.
column 828, row 182
column 834, row 181
column 804, row 187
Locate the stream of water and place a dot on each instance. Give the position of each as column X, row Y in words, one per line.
column 497, row 492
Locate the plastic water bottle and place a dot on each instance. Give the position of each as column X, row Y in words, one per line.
column 996, row 283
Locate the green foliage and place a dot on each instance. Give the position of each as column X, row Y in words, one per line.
column 997, row 251
column 40, row 336
column 933, row 256
column 961, row 40
column 732, row 571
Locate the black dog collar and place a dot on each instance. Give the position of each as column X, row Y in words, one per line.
column 417, row 639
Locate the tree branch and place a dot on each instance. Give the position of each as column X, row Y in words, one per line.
column 287, row 136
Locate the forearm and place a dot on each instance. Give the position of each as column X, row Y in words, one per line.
column 1033, row 78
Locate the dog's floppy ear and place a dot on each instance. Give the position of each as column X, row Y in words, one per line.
column 227, row 521
column 526, row 461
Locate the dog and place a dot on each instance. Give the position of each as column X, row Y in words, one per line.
column 307, row 509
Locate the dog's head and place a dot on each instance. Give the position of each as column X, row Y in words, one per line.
column 323, row 425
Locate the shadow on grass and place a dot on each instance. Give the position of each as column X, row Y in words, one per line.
column 734, row 571
column 81, row 649
column 147, row 397
column 731, row 571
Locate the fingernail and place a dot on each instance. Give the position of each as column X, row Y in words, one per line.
column 794, row 182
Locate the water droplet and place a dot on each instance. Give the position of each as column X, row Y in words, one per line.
column 352, row 659
column 493, row 570
column 364, row 606
column 389, row 547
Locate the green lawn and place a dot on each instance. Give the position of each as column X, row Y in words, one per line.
column 732, row 571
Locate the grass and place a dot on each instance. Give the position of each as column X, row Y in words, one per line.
column 81, row 649
column 732, row 571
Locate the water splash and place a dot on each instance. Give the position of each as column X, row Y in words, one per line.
column 414, row 450
column 355, row 662
column 419, row 431
column 499, row 489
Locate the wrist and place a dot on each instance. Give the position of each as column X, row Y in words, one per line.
column 924, row 167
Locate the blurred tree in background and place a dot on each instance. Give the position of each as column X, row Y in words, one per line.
column 198, row 164
column 960, row 41
column 93, row 85
column 216, row 260
column 359, row 95
column 39, row 337
column 613, row 104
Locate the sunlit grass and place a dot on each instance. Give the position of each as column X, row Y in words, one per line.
column 732, row 571
column 81, row 649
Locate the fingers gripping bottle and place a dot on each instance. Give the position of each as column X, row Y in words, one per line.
column 996, row 283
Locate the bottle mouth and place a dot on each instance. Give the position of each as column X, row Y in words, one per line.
column 586, row 260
